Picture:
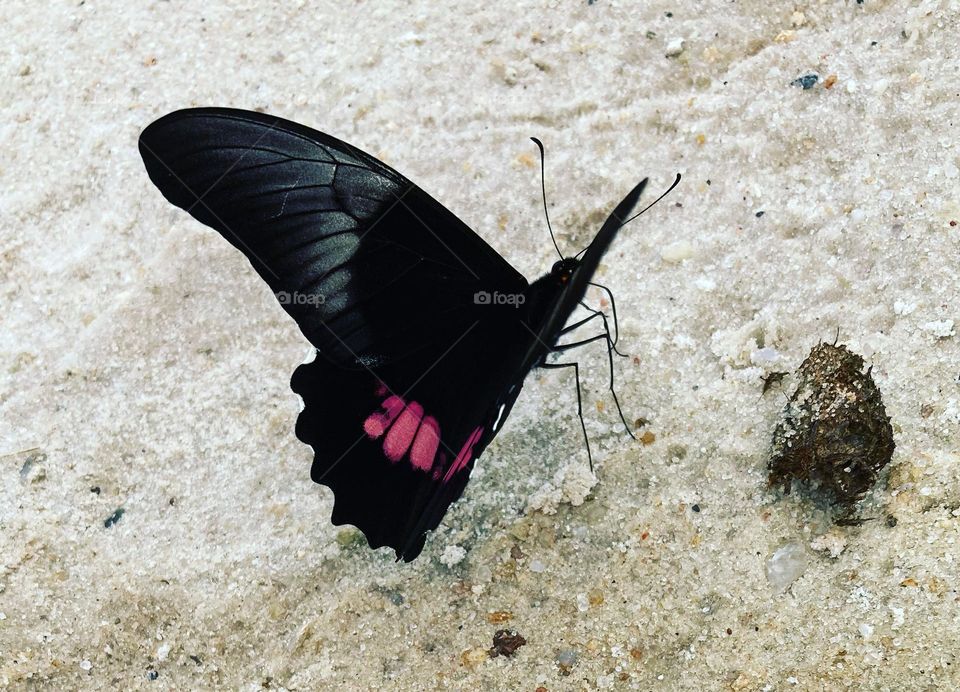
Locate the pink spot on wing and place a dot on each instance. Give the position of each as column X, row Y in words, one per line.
column 466, row 453
column 408, row 430
column 377, row 423
column 400, row 437
column 425, row 444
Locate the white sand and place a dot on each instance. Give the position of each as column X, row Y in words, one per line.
column 141, row 355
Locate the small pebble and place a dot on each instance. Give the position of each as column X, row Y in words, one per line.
column 941, row 329
column 152, row 675
column 506, row 643
column 807, row 81
column 785, row 566
column 85, row 664
column 28, row 464
column 474, row 657
column 901, row 307
column 452, row 555
column 566, row 660
column 674, row 47
column 113, row 518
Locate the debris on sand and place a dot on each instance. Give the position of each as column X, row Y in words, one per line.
column 834, row 430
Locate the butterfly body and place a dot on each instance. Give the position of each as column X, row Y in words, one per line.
column 423, row 333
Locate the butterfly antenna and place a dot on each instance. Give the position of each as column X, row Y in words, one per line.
column 669, row 190
column 543, row 190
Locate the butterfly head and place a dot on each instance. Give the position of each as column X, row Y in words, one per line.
column 564, row 269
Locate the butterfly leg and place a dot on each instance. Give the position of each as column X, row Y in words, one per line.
column 576, row 373
column 606, row 328
column 560, row 348
column 594, row 314
column 610, row 349
column 576, row 325
column 613, row 392
column 613, row 309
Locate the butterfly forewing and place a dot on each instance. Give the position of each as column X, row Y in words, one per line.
column 368, row 264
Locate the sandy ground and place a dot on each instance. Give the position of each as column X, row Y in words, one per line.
column 145, row 367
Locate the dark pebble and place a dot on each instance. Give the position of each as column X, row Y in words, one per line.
column 761, row 213
column 113, row 518
column 95, row 490
column 891, row 521
column 696, row 508
column 152, row 675
column 506, row 643
column 806, row 81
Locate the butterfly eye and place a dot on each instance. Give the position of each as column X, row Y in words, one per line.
column 557, row 266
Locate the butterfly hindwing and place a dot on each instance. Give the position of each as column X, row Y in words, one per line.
column 370, row 266
column 397, row 443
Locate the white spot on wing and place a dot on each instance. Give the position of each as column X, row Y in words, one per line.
column 496, row 423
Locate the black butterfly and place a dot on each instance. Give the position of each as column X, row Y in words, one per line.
column 423, row 333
